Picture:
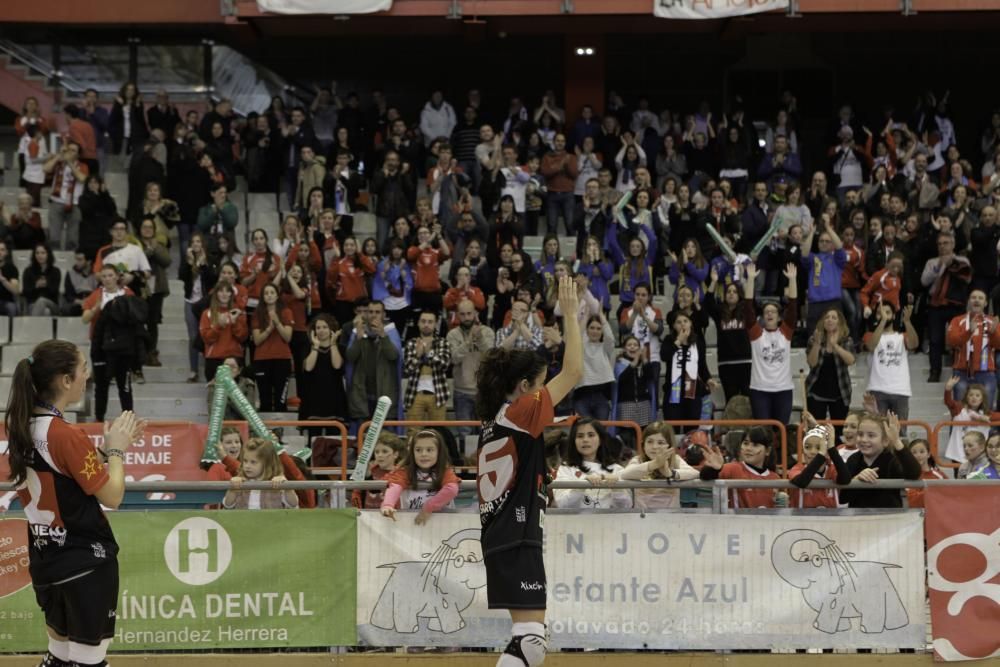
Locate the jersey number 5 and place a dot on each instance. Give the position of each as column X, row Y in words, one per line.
column 496, row 468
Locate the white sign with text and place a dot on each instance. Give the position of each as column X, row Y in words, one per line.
column 662, row 580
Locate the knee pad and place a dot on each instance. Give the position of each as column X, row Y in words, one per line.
column 529, row 649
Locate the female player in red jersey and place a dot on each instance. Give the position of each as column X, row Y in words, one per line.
column 516, row 405
column 62, row 485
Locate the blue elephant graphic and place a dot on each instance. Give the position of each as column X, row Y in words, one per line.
column 439, row 588
column 836, row 587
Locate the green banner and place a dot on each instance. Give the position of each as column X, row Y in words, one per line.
column 209, row 580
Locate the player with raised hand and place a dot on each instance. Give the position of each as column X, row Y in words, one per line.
column 516, row 405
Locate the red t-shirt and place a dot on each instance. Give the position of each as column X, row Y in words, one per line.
column 274, row 346
column 748, row 498
column 805, row 498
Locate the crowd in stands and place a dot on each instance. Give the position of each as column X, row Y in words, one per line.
column 888, row 248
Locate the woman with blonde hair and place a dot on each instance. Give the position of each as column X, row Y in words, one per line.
column 830, row 354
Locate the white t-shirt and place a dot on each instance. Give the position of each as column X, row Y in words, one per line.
column 771, row 367
column 514, row 187
column 595, row 498
column 642, row 332
column 889, row 370
column 35, row 154
column 847, row 165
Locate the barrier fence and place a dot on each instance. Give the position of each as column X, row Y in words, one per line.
column 935, row 442
column 670, row 579
column 562, row 423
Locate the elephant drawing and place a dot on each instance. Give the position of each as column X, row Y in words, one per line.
column 439, row 588
column 837, row 588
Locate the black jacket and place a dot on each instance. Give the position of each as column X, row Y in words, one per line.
column 137, row 121
column 97, row 212
column 121, row 329
column 891, row 464
column 395, row 194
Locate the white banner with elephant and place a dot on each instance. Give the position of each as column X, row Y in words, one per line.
column 659, row 580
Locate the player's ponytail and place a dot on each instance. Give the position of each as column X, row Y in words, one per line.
column 33, row 380
column 499, row 374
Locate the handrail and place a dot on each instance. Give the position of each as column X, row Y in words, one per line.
column 469, row 485
column 77, row 87
column 931, row 435
column 937, row 429
column 40, row 66
column 309, row 423
column 562, row 423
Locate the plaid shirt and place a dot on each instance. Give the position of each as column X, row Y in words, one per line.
column 843, row 372
column 521, row 343
column 439, row 360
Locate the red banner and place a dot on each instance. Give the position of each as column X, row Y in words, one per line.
column 963, row 571
column 168, row 451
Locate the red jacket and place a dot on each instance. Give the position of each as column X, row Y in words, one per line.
column 345, row 277
column 454, row 296
column 223, row 341
column 560, row 171
column 970, row 342
column 426, row 265
column 882, row 287
column 853, row 276
column 315, row 259
column 255, row 260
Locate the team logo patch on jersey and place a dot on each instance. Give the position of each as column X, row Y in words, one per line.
column 89, row 465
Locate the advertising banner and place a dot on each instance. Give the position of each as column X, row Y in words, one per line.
column 167, row 451
column 666, row 581
column 208, row 580
column 324, row 6
column 963, row 571
column 713, row 9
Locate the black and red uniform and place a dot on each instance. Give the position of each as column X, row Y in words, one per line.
column 73, row 553
column 512, row 500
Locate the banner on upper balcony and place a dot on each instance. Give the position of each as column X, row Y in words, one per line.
column 963, row 571
column 662, row 581
column 324, row 6
column 714, row 9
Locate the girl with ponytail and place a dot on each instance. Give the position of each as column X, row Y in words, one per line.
column 63, row 482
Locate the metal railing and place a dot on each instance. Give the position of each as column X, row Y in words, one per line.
column 340, row 490
column 563, row 423
column 935, row 442
column 310, row 424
